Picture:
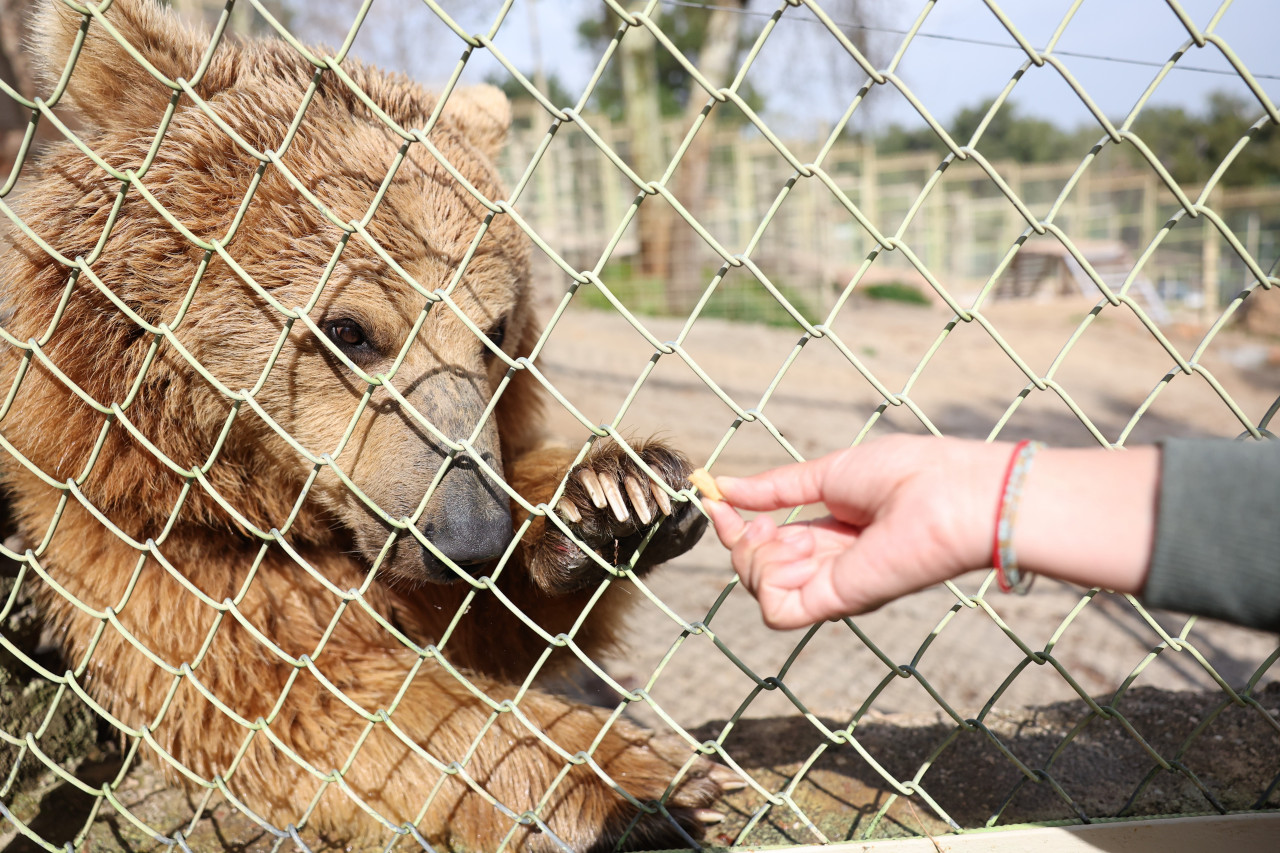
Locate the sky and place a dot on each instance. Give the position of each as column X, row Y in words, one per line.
column 954, row 72
column 961, row 56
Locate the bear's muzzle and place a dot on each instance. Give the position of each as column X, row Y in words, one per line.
column 468, row 519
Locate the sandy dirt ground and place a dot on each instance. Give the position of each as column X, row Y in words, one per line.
column 705, row 683
column 820, row 405
column 963, row 656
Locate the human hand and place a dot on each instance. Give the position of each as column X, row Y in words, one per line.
column 905, row 513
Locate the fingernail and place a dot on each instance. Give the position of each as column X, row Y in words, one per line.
column 731, row 482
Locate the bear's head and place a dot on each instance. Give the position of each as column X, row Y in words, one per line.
column 260, row 296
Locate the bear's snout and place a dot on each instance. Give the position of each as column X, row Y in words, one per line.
column 468, row 519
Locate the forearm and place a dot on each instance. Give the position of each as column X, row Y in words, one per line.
column 1089, row 516
column 1192, row 529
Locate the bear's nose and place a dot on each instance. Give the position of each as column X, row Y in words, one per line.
column 468, row 539
column 468, row 519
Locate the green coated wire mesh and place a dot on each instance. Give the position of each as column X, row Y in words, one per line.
column 1070, row 301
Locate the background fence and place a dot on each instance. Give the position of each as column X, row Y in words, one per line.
column 960, row 231
column 1095, row 299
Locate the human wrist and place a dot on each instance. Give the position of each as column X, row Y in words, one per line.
column 1088, row 516
column 978, row 470
column 1010, row 577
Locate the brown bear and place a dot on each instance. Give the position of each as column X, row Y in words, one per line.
column 276, row 453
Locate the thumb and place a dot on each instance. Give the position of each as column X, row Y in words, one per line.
column 728, row 524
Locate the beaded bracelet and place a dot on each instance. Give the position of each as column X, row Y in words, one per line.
column 1003, row 559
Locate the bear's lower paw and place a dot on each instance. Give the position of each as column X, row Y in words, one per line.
column 685, row 815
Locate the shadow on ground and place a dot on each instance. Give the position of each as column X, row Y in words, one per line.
column 1220, row 758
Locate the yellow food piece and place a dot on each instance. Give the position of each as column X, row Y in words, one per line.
column 705, row 483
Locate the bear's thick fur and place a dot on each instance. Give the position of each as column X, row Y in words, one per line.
column 234, row 383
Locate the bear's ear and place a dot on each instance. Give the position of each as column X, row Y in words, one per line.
column 109, row 87
column 483, row 114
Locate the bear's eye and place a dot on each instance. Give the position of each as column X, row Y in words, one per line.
column 347, row 334
column 496, row 336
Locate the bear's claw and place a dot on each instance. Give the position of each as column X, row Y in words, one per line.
column 610, row 503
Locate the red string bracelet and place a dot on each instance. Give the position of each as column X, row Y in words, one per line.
column 1003, row 559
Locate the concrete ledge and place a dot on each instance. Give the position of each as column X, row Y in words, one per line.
column 1238, row 833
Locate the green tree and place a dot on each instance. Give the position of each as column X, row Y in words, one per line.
column 896, row 139
column 1009, row 136
column 244, row 19
column 687, row 28
column 555, row 90
column 646, row 82
column 1192, row 146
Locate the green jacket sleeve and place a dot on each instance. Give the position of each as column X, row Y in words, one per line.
column 1217, row 540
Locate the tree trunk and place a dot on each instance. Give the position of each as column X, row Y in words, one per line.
column 648, row 157
column 692, row 178
column 16, row 71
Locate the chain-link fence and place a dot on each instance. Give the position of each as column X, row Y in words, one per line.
column 273, row 371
